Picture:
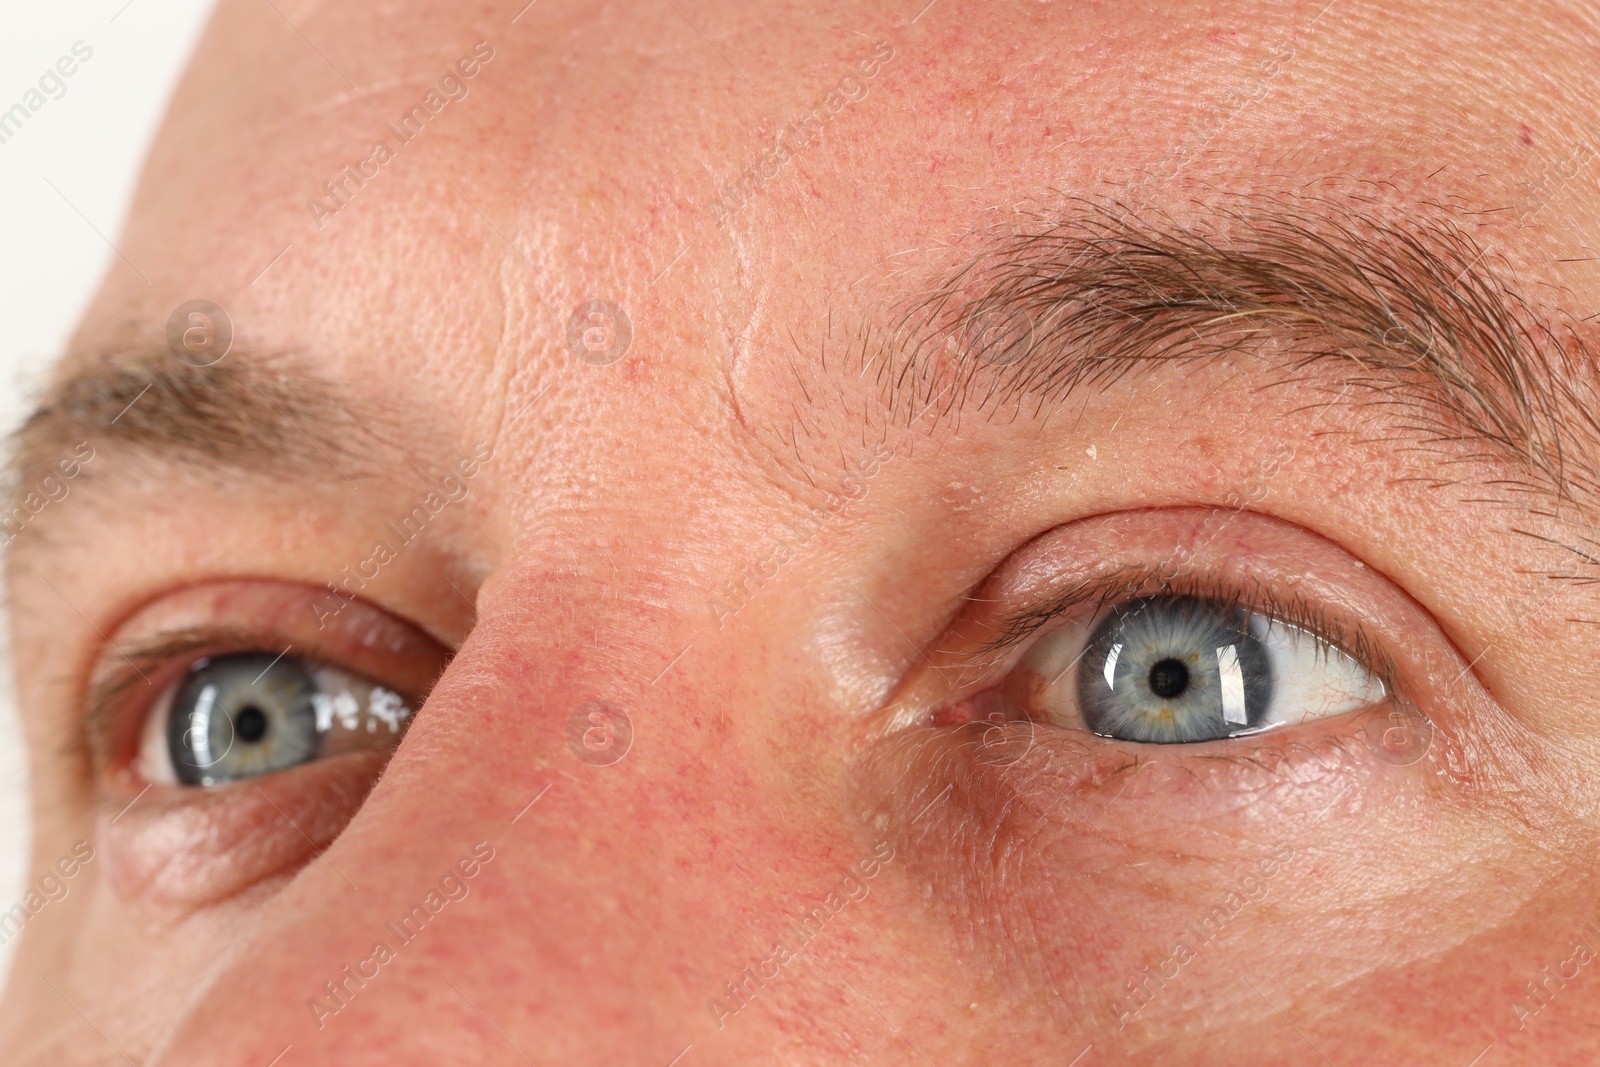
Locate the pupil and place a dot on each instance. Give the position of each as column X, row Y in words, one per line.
column 251, row 724
column 1169, row 678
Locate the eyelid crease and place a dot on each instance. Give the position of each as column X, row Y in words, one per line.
column 1259, row 598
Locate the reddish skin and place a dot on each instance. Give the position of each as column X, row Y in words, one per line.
column 1415, row 906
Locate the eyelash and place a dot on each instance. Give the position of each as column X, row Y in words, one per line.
column 1128, row 582
column 108, row 722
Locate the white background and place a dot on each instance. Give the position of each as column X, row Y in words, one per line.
column 54, row 247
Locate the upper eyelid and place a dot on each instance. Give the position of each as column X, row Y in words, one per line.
column 1019, row 626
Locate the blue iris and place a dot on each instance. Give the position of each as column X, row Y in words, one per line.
column 241, row 715
column 1172, row 669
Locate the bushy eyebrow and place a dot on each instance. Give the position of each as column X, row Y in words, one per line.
column 1418, row 316
column 254, row 414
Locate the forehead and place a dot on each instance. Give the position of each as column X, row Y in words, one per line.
column 448, row 190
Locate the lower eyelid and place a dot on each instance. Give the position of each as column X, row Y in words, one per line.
column 1031, row 842
column 184, row 847
column 1007, row 782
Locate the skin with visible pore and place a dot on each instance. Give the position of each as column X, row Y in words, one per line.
column 733, row 727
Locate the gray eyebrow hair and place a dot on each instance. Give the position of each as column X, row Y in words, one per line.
column 260, row 414
column 1417, row 313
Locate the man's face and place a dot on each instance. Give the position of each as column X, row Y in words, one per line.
column 707, row 533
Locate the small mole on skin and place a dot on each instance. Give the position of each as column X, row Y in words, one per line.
column 1527, row 135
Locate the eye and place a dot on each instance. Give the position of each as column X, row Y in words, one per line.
column 251, row 713
column 1169, row 669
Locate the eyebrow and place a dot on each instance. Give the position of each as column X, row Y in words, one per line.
column 1419, row 315
column 257, row 414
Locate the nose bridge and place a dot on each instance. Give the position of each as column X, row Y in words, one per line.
column 532, row 849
